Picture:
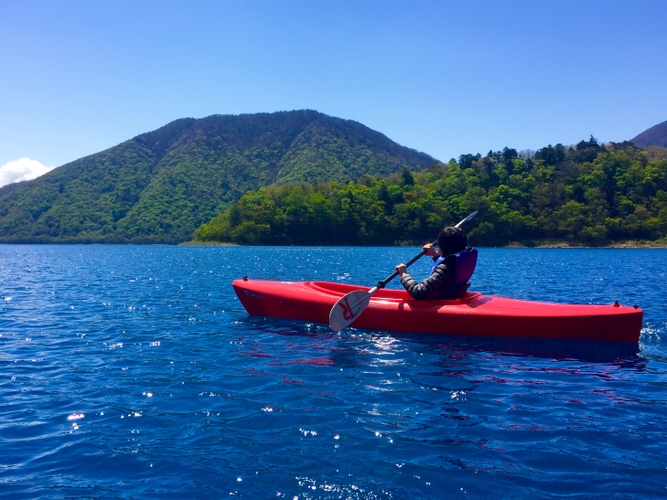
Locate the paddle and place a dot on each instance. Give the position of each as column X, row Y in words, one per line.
column 351, row 305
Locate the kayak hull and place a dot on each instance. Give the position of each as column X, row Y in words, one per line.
column 474, row 314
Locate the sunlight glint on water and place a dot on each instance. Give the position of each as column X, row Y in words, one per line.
column 134, row 372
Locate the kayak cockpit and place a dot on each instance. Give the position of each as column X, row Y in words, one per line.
column 340, row 289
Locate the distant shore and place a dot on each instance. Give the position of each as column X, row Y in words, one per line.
column 208, row 244
column 621, row 244
column 514, row 244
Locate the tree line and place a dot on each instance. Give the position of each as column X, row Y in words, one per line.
column 588, row 194
column 160, row 186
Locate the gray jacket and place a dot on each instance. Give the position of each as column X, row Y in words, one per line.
column 434, row 287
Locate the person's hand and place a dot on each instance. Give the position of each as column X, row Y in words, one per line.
column 401, row 269
column 429, row 250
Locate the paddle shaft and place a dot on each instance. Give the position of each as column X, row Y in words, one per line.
column 352, row 304
column 386, row 281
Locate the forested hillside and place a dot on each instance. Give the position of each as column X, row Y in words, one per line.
column 588, row 194
column 160, row 186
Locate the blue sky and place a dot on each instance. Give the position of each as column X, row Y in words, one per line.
column 443, row 77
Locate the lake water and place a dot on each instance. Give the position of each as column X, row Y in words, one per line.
column 134, row 372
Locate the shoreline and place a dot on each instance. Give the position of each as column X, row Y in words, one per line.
column 622, row 244
column 513, row 244
column 639, row 244
column 207, row 244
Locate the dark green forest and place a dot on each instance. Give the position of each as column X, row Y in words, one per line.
column 589, row 194
column 160, row 186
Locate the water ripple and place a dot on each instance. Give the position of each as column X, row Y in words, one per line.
column 133, row 372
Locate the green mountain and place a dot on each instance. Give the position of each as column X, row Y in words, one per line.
column 654, row 136
column 160, row 186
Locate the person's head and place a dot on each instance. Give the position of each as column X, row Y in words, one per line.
column 452, row 240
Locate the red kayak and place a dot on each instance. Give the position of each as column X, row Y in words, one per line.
column 474, row 314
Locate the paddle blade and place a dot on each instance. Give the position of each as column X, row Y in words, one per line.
column 347, row 309
column 466, row 219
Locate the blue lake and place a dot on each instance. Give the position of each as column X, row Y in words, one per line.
column 134, row 372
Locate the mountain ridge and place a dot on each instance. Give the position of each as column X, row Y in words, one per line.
column 159, row 186
column 653, row 136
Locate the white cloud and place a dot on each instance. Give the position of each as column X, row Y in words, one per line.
column 23, row 169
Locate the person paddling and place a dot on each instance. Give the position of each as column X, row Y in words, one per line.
column 453, row 265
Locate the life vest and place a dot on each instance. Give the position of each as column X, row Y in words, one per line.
column 464, row 264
